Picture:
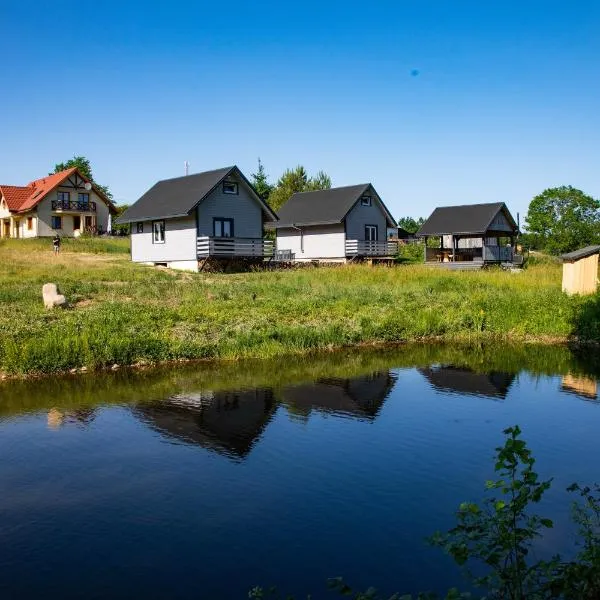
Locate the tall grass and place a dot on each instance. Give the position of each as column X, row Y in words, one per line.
column 123, row 313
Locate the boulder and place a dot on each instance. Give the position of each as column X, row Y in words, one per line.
column 51, row 296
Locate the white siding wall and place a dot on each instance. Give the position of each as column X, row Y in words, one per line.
column 180, row 242
column 320, row 242
column 4, row 212
column 242, row 208
column 360, row 216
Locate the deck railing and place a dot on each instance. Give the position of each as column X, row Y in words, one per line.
column 73, row 206
column 485, row 254
column 367, row 248
column 232, row 247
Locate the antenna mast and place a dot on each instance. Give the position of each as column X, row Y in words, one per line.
column 186, row 166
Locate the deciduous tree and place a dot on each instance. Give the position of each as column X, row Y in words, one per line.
column 563, row 219
column 410, row 224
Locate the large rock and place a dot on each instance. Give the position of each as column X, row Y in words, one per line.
column 51, row 296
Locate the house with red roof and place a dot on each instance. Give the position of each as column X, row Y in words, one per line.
column 65, row 203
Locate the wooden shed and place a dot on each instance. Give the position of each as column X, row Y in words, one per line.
column 580, row 271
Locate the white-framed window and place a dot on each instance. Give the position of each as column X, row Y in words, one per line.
column 371, row 233
column 223, row 227
column 230, row 187
column 140, row 227
column 365, row 201
column 158, row 232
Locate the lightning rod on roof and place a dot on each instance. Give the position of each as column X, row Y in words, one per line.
column 186, row 166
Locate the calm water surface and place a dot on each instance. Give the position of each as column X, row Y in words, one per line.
column 203, row 482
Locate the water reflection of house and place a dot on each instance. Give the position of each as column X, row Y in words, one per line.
column 225, row 422
column 460, row 380
column 581, row 386
column 360, row 397
column 81, row 416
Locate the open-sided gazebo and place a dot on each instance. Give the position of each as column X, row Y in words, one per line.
column 484, row 233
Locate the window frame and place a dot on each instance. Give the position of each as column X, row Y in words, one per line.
column 370, row 227
column 53, row 221
column 236, row 188
column 140, row 227
column 223, row 220
column 61, row 196
column 81, row 202
column 164, row 230
column 366, row 201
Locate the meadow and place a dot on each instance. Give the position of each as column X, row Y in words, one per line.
column 123, row 314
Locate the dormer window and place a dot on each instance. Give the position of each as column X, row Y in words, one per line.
column 230, row 187
column 365, row 201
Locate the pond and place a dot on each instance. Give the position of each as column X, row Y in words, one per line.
column 204, row 481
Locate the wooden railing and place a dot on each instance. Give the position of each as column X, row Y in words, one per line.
column 242, row 247
column 366, row 248
column 497, row 254
column 486, row 254
column 73, row 205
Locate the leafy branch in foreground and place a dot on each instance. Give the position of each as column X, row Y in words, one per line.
column 500, row 534
column 496, row 540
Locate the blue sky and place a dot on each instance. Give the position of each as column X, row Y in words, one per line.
column 506, row 101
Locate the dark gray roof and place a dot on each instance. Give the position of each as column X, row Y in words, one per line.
column 324, row 207
column 179, row 196
column 581, row 253
column 468, row 218
column 448, row 378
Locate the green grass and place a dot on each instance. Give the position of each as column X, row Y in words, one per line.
column 89, row 245
column 126, row 314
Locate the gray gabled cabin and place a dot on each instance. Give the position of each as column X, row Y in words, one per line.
column 335, row 225
column 480, row 233
column 182, row 222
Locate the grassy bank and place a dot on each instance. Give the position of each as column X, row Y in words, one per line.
column 123, row 313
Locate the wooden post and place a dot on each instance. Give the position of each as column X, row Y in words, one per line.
column 425, row 250
column 453, row 243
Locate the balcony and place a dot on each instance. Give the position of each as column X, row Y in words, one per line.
column 371, row 248
column 73, row 206
column 233, row 247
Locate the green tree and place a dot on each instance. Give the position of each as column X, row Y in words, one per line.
column 410, row 224
column 563, row 219
column 121, row 229
column 85, row 168
column 260, row 182
column 296, row 180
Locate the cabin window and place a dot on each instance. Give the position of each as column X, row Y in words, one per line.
column 230, row 187
column 29, row 223
column 158, row 232
column 57, row 222
column 223, row 228
column 371, row 233
column 365, row 201
column 140, row 228
column 83, row 201
column 64, row 196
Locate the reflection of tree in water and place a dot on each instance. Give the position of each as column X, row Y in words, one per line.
column 229, row 423
column 360, row 397
column 461, row 380
column 80, row 416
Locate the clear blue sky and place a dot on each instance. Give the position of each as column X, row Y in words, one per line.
column 506, row 101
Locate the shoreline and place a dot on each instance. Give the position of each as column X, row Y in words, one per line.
column 482, row 340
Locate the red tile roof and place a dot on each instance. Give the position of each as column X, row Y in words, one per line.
column 14, row 195
column 22, row 199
